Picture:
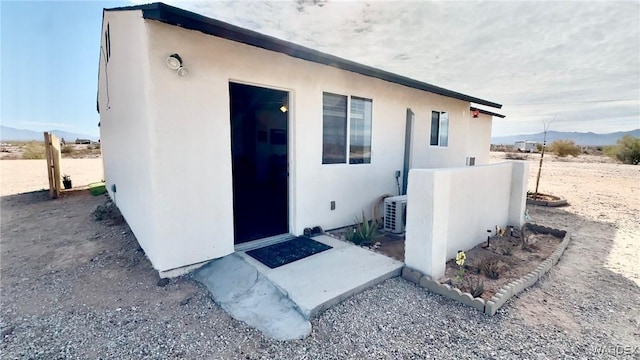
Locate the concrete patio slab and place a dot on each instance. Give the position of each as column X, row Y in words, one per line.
column 249, row 297
column 279, row 302
column 322, row 280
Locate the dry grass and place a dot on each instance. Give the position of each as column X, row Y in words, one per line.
column 516, row 156
column 33, row 150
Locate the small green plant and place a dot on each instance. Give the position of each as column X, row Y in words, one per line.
column 362, row 232
column 477, row 289
column 563, row 148
column 67, row 149
column 627, row 150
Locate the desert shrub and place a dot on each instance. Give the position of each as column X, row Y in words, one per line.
column 563, row 148
column 627, row 150
column 108, row 211
column 33, row 150
column 491, row 268
column 67, row 149
column 515, row 156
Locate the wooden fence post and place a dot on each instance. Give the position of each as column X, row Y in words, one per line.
column 52, row 151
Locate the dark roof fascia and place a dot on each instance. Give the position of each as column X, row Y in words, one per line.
column 488, row 112
column 192, row 21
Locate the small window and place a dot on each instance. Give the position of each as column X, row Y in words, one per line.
column 334, row 129
column 439, row 128
column 335, row 140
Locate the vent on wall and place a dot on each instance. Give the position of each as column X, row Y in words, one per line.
column 471, row 160
column 395, row 213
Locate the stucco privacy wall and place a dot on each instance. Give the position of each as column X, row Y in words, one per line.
column 124, row 127
column 451, row 209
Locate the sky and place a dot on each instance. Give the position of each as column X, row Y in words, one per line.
column 49, row 64
column 575, row 61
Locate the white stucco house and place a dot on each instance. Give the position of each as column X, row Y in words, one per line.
column 215, row 136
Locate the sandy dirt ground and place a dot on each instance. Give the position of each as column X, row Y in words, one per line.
column 604, row 202
column 73, row 287
column 20, row 176
column 603, row 217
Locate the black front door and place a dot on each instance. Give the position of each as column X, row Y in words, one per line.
column 259, row 149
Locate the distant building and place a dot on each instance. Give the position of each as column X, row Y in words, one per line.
column 526, row 146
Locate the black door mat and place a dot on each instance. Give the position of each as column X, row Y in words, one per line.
column 287, row 252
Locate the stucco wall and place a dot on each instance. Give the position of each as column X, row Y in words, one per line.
column 188, row 119
column 124, row 125
column 450, row 210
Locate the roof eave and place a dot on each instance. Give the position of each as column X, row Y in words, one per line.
column 486, row 112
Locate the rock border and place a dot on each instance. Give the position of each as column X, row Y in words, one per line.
column 491, row 306
column 553, row 203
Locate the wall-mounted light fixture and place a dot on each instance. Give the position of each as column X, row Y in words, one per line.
column 183, row 71
column 174, row 62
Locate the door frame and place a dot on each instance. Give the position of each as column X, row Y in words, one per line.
column 291, row 178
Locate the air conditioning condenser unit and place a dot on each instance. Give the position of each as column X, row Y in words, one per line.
column 395, row 213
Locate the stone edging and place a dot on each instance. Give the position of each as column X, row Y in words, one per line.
column 552, row 203
column 489, row 307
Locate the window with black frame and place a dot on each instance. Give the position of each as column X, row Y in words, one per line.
column 439, row 128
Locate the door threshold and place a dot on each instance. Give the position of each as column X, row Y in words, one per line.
column 255, row 244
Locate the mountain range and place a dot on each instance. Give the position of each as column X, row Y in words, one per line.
column 12, row 134
column 580, row 138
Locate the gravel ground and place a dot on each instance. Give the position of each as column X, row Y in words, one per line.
column 76, row 288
